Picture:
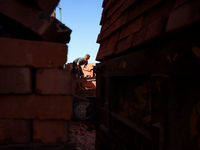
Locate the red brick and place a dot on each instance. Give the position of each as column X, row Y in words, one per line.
column 15, row 80
column 15, row 131
column 130, row 28
column 108, row 4
column 54, row 81
column 50, row 131
column 142, row 8
column 128, row 42
column 104, row 52
column 183, row 16
column 47, row 7
column 161, row 11
column 114, row 8
column 14, row 52
column 35, row 107
column 125, row 44
column 110, row 50
column 180, row 2
column 139, row 37
column 41, row 26
column 114, row 27
column 113, row 39
column 100, row 54
column 128, row 3
column 156, row 29
column 120, row 45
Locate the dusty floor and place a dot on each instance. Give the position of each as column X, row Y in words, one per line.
column 85, row 140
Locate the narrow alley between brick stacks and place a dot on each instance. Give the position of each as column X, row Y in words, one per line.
column 85, row 140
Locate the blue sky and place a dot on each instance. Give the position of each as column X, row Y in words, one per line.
column 83, row 18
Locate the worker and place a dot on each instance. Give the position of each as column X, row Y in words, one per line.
column 78, row 62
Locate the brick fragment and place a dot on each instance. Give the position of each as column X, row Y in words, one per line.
column 35, row 107
column 15, row 52
column 15, row 80
column 15, row 131
column 184, row 16
column 50, row 131
column 54, row 81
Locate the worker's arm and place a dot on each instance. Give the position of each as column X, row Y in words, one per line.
column 77, row 64
column 84, row 68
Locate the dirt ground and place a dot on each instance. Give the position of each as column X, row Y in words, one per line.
column 85, row 140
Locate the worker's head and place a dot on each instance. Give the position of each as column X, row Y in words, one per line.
column 87, row 57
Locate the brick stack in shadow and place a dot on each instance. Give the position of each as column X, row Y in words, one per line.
column 35, row 91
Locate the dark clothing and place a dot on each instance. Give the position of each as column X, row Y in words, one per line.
column 81, row 62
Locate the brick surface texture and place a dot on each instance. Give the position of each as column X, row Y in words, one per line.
column 50, row 131
column 15, row 80
column 35, row 107
column 54, row 81
column 15, row 131
column 14, row 52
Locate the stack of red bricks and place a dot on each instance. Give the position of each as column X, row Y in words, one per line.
column 35, row 91
column 129, row 24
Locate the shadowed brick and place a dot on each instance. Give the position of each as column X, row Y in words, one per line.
column 54, row 81
column 15, row 80
column 14, row 52
column 183, row 16
column 35, row 107
column 50, row 131
column 15, row 131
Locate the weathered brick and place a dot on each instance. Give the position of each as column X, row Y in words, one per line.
column 100, row 53
column 130, row 28
column 184, row 16
column 139, row 37
column 120, row 45
column 15, row 131
column 160, row 11
column 114, row 27
column 35, row 107
column 107, row 51
column 141, row 8
column 111, row 20
column 125, row 44
column 113, row 39
column 50, row 131
column 15, row 80
column 156, row 29
column 14, row 52
column 180, row 2
column 127, row 4
column 114, row 8
column 41, row 26
column 47, row 7
column 54, row 82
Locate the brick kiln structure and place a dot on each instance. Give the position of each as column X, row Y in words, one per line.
column 35, row 91
column 148, row 79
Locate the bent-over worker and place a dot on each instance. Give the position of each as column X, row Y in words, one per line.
column 78, row 62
